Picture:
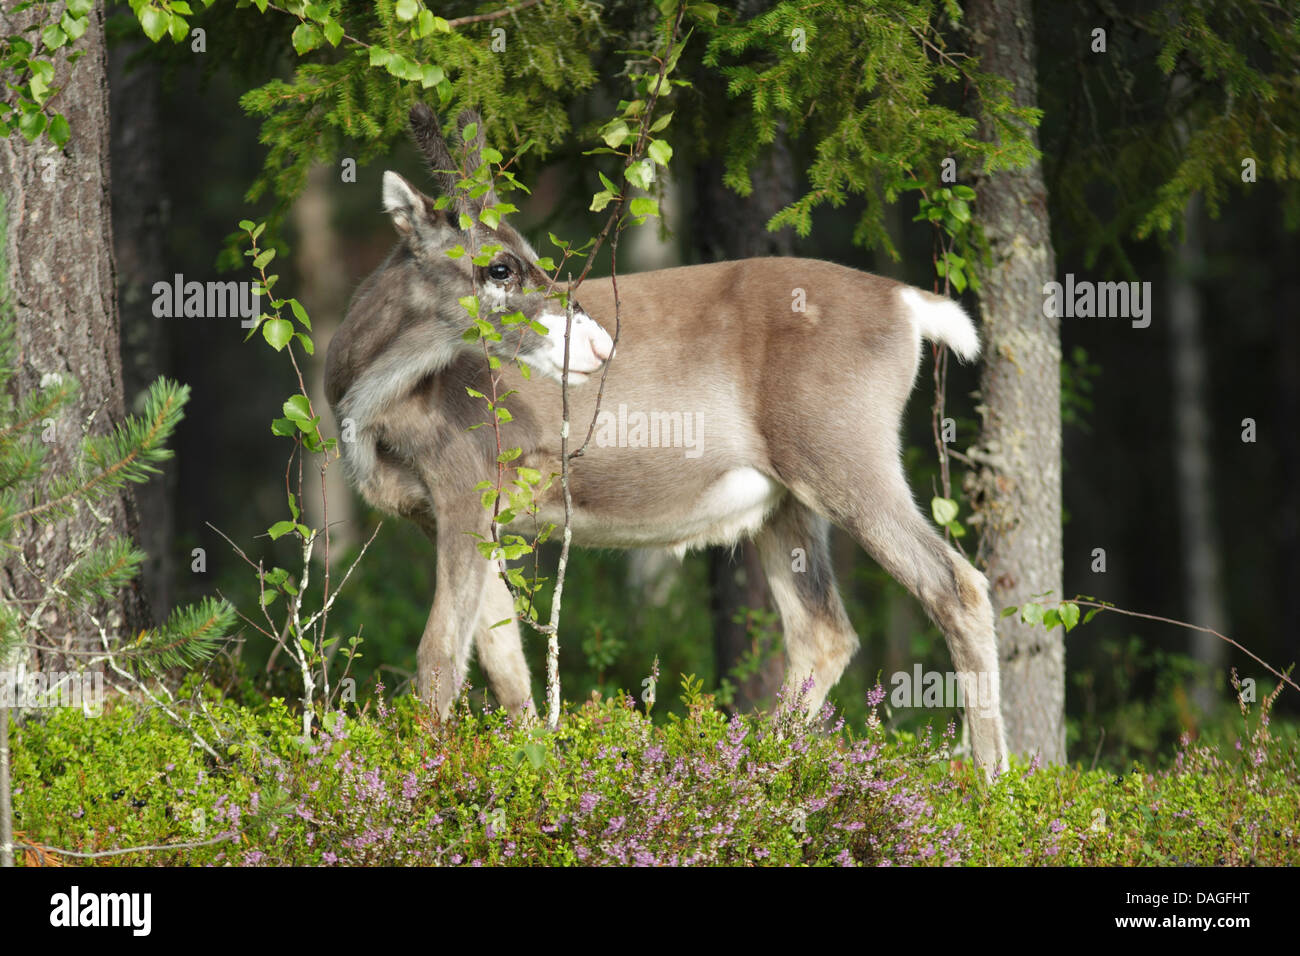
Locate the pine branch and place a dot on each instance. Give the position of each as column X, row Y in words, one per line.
column 127, row 455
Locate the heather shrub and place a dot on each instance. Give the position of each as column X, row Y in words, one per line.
column 383, row 785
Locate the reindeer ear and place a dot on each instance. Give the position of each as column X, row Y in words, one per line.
column 470, row 122
column 403, row 203
column 428, row 137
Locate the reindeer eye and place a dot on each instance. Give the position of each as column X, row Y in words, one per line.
column 499, row 271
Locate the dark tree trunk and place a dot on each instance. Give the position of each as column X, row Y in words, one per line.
column 1017, row 489
column 323, row 292
column 1288, row 444
column 60, row 280
column 139, row 224
column 1202, row 571
column 728, row 226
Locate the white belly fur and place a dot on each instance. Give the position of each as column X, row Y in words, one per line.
column 733, row 507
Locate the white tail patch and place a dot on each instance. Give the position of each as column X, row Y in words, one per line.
column 942, row 320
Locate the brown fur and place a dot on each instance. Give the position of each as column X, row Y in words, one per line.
column 799, row 418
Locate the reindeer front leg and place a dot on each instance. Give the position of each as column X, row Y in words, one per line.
column 443, row 658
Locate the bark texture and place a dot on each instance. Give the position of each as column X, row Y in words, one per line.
column 60, row 281
column 1017, row 489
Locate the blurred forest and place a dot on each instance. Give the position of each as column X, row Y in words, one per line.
column 184, row 153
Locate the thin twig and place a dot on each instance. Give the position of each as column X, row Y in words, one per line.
column 130, row 849
column 494, row 15
column 1194, row 627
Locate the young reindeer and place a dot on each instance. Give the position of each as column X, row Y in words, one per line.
column 727, row 414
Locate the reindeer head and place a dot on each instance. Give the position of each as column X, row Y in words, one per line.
column 509, row 282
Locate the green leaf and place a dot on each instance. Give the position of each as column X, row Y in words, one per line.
column 958, row 279
column 73, row 26
column 944, row 510
column 280, row 529
column 1008, row 611
column 1031, row 613
column 1069, row 615
column 704, row 11
column 79, row 8
column 601, row 200
column 615, row 134
column 264, row 259
column 40, row 87
column 660, row 151
column 333, row 32
column 59, row 130
column 298, row 408
column 53, row 36
column 638, row 174
column 644, row 206
column 306, row 37
column 283, row 427
column 430, row 74
column 278, row 332
column 300, row 313
column 536, row 755
column 154, row 22
column 406, row 10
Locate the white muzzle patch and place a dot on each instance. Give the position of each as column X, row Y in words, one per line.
column 589, row 346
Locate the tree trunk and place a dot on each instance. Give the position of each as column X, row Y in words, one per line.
column 324, row 293
column 1017, row 489
column 139, row 232
column 60, row 278
column 1202, row 570
column 727, row 226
